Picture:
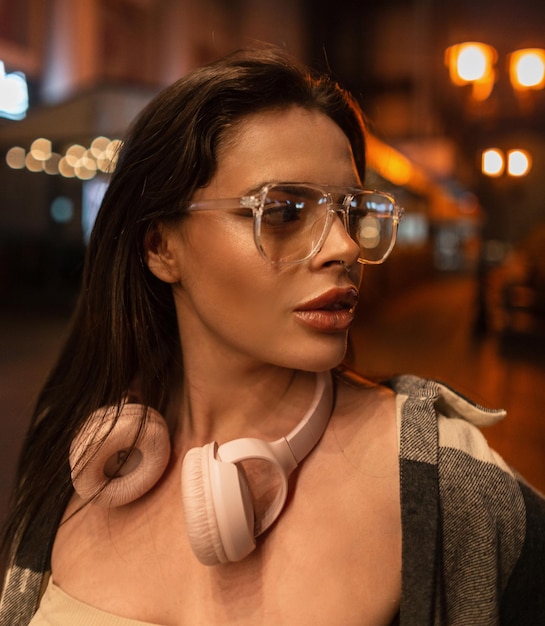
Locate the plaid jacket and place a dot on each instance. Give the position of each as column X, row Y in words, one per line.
column 473, row 532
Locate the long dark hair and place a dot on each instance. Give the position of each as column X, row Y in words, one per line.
column 124, row 326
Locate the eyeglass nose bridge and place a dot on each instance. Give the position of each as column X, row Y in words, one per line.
column 335, row 209
column 341, row 210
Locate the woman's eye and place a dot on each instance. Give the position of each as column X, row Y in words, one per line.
column 358, row 214
column 280, row 213
column 243, row 212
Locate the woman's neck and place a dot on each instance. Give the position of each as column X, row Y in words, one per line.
column 264, row 402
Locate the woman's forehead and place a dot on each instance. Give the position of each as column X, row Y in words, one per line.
column 294, row 144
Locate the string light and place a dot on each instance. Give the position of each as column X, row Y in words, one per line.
column 77, row 161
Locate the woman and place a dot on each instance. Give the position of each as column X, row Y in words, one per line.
column 222, row 277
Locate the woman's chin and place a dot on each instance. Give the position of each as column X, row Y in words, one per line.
column 320, row 360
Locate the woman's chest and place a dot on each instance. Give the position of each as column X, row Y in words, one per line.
column 333, row 557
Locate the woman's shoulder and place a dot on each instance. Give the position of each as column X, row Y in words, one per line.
column 427, row 415
column 424, row 405
column 361, row 399
column 364, row 426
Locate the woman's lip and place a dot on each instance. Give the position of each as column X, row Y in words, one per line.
column 331, row 311
column 345, row 298
column 325, row 320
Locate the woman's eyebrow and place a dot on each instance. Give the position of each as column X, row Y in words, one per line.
column 259, row 186
column 274, row 181
column 255, row 189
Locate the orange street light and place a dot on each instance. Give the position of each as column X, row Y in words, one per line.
column 527, row 68
column 472, row 63
column 492, row 163
column 519, row 163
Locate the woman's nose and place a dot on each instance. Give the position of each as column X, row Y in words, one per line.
column 338, row 244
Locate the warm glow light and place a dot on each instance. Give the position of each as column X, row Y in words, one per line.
column 519, row 162
column 85, row 167
column 112, row 151
column 74, row 154
column 77, row 161
column 493, row 162
column 98, row 146
column 41, row 149
column 105, row 165
column 369, row 233
column 472, row 62
column 15, row 158
column 399, row 170
column 527, row 68
column 65, row 168
column 51, row 166
column 32, row 164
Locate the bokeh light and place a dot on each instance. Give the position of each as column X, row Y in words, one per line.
column 493, row 163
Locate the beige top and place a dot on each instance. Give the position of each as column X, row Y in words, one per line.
column 57, row 608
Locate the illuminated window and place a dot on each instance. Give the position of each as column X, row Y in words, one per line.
column 13, row 94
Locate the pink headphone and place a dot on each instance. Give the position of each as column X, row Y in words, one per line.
column 219, row 509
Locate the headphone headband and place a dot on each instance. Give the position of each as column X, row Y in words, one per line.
column 287, row 452
column 290, row 450
column 310, row 429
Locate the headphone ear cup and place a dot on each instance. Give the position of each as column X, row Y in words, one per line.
column 200, row 517
column 218, row 507
column 113, row 464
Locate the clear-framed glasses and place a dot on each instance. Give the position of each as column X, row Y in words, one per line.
column 292, row 220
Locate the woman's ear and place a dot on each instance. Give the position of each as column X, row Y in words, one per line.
column 161, row 252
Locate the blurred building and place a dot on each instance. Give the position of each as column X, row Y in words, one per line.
column 91, row 65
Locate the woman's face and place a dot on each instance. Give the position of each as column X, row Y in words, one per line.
column 233, row 303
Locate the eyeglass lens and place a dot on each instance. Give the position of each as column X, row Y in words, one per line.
column 295, row 220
